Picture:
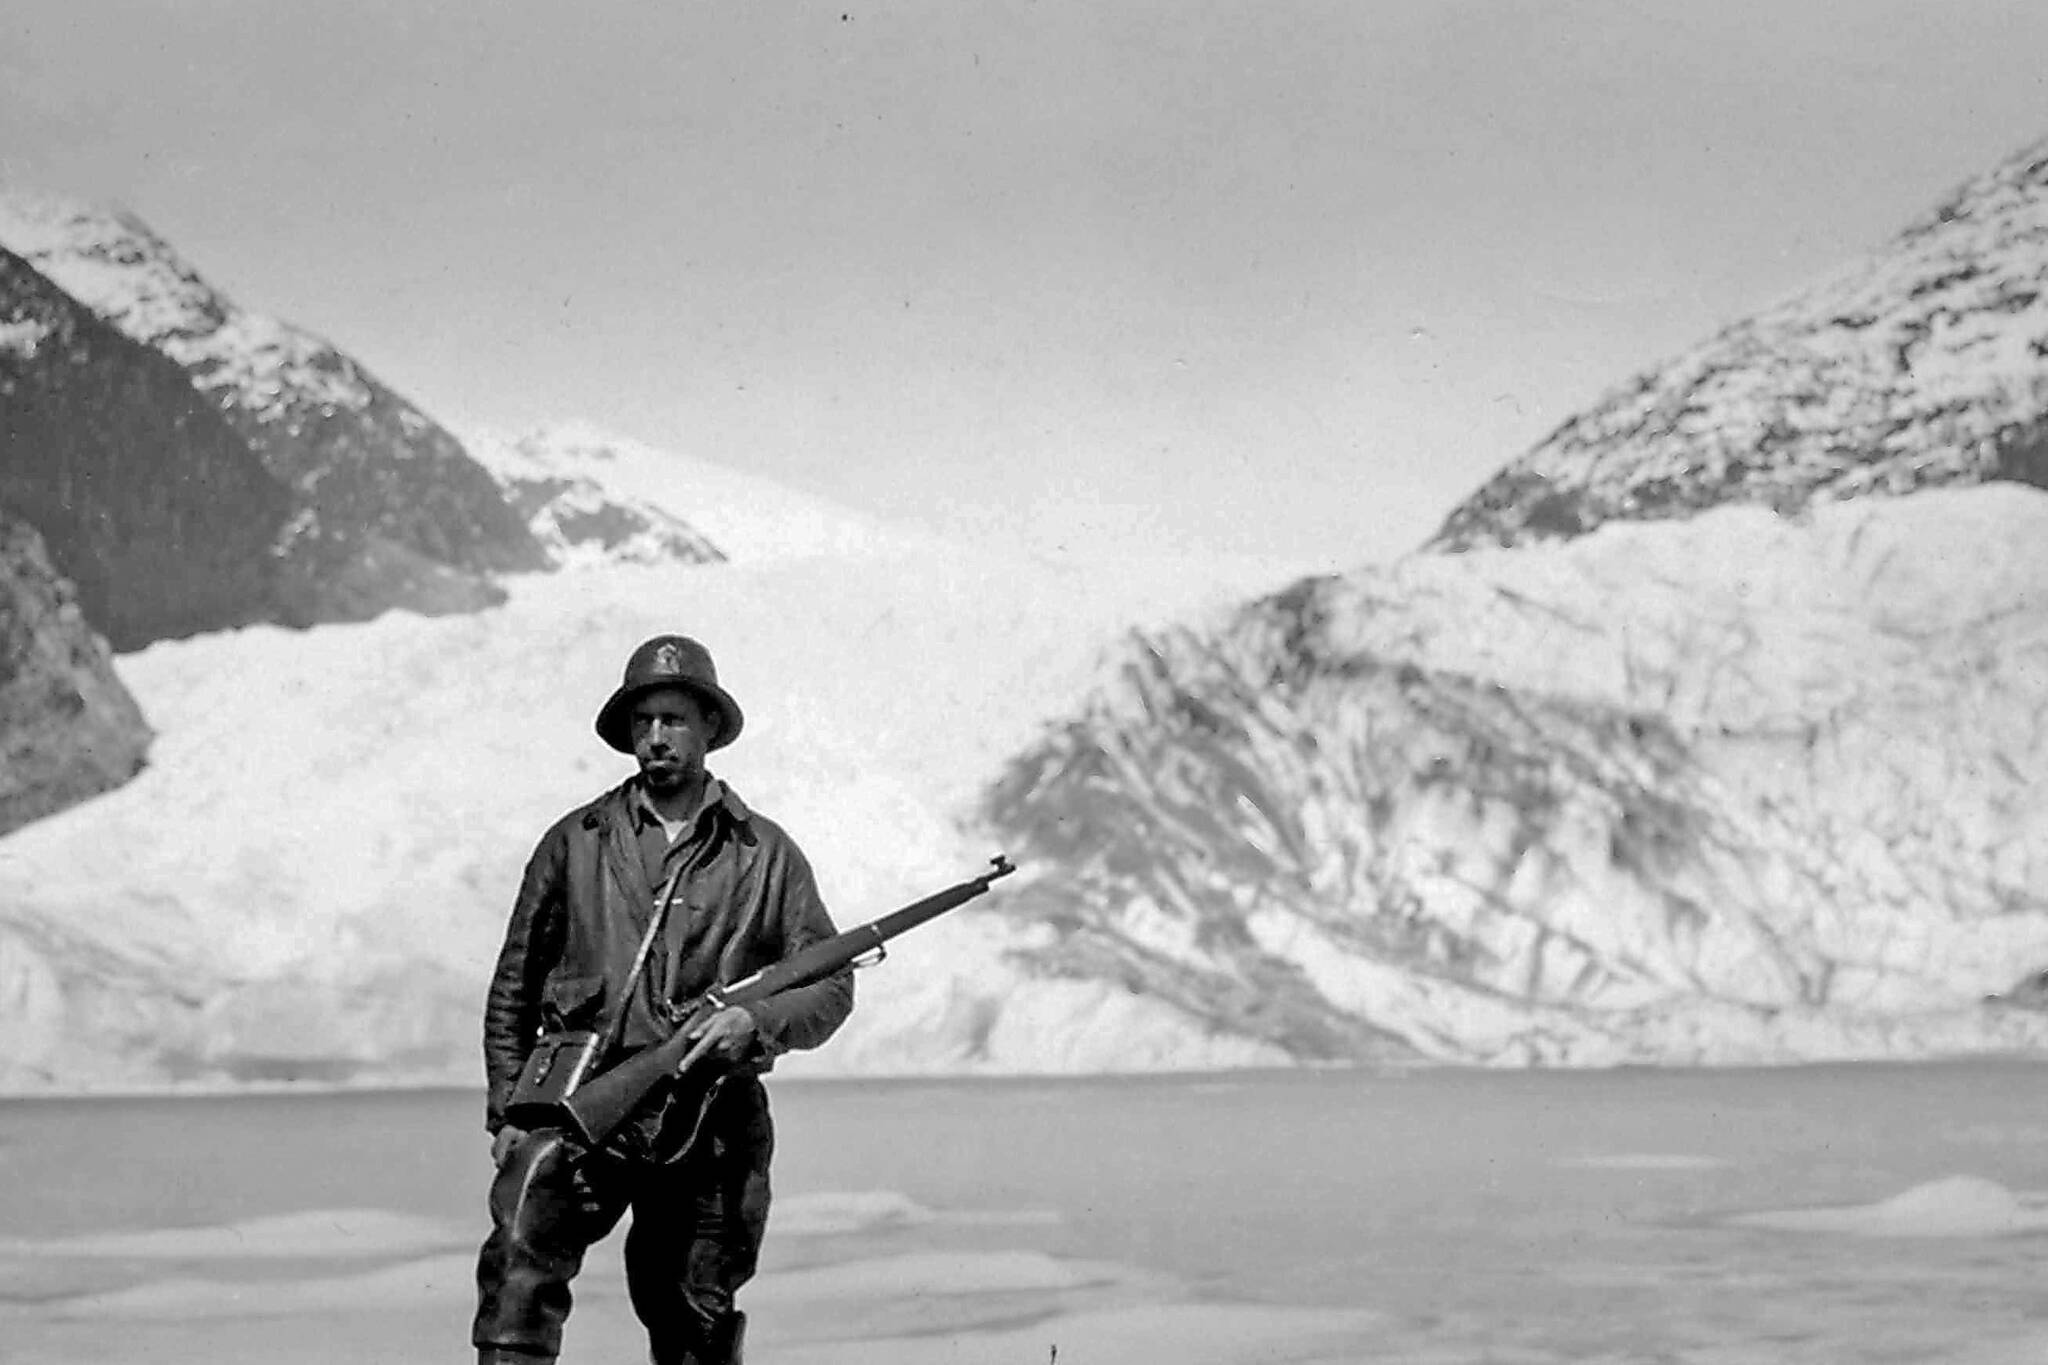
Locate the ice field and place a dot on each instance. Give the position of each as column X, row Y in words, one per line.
column 1821, row 1214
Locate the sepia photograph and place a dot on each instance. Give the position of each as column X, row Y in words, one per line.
column 1039, row 683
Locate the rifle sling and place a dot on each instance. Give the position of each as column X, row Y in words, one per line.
column 615, row 1028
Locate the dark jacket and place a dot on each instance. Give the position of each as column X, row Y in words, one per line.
column 746, row 900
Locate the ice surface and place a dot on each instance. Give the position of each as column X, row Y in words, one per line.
column 825, row 1215
column 1735, row 789
column 319, row 859
column 1643, row 1161
column 317, row 1232
column 1953, row 1206
column 1189, row 1334
column 1432, row 1217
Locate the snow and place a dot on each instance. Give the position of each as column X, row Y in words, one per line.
column 317, row 863
column 1761, row 783
column 116, row 266
column 1737, row 788
column 23, row 337
column 1952, row 1206
column 746, row 517
column 330, row 830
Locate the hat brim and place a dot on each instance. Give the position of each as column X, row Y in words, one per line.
column 615, row 717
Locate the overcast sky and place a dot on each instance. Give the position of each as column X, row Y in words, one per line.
column 1260, row 278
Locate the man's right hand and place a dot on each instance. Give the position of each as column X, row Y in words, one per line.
column 501, row 1146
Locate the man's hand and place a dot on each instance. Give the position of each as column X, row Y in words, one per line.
column 725, row 1035
column 502, row 1145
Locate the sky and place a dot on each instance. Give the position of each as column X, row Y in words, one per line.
column 1283, row 280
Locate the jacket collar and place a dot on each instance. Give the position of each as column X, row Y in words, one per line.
column 717, row 797
column 617, row 807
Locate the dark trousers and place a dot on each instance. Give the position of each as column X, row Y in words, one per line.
column 695, row 1238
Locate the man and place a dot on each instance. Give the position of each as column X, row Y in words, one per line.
column 742, row 898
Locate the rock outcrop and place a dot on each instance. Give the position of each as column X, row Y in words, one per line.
column 68, row 728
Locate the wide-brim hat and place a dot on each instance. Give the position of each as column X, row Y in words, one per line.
column 668, row 661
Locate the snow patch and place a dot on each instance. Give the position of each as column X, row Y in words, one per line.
column 23, row 337
column 313, row 1233
column 747, row 517
column 1953, row 1206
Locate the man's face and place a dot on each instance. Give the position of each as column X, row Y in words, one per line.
column 672, row 732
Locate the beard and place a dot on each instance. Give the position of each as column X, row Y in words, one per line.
column 670, row 773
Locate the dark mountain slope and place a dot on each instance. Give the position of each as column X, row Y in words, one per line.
column 68, row 728
column 148, row 501
column 388, row 509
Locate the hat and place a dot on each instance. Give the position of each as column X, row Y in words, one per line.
column 668, row 661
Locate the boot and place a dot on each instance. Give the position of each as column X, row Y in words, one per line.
column 726, row 1340
column 719, row 1345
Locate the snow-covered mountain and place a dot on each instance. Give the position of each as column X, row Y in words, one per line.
column 593, row 496
column 389, row 509
column 560, row 486
column 1695, row 752
column 1727, row 760
column 152, row 506
column 1923, row 364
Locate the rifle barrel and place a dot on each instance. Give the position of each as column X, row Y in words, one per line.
column 594, row 1109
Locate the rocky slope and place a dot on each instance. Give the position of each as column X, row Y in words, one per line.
column 388, row 510
column 146, row 498
column 1924, row 364
column 68, row 728
column 569, row 489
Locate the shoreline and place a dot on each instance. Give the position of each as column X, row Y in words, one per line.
column 270, row 1089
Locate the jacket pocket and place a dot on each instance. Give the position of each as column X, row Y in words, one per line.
column 571, row 1002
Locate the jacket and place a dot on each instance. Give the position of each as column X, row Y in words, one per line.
column 745, row 900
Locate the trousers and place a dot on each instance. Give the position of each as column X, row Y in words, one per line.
column 695, row 1238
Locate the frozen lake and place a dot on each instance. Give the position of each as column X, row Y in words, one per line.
column 1849, row 1214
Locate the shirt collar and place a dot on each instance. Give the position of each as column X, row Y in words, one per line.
column 715, row 793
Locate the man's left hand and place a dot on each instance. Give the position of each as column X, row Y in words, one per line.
column 725, row 1036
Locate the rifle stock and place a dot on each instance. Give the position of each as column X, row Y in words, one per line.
column 594, row 1109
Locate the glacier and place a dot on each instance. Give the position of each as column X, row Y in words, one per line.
column 313, row 871
column 1742, row 788
column 1739, row 789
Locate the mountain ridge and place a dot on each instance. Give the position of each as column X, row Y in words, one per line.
column 390, row 510
column 1925, row 363
column 147, row 500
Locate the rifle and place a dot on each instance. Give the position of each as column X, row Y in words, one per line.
column 593, row 1109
